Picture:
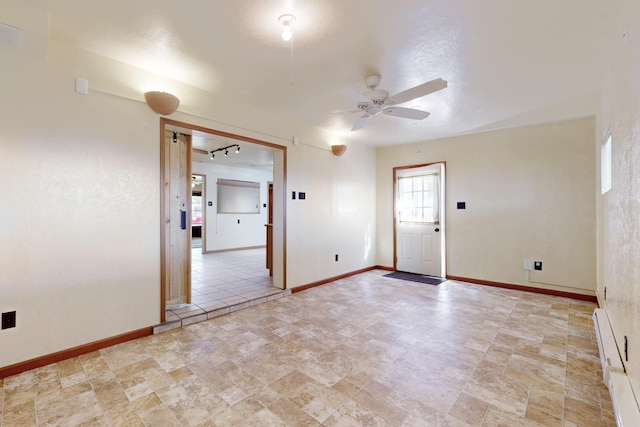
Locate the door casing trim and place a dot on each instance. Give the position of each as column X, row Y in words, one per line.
column 164, row 122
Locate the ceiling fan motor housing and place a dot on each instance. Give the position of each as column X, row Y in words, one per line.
column 377, row 96
column 372, row 82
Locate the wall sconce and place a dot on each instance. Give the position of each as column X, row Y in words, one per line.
column 338, row 150
column 162, row 102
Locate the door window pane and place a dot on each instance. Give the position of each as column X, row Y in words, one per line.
column 418, row 199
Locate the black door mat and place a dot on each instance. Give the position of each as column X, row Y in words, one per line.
column 420, row 278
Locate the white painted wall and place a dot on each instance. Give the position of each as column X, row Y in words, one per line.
column 222, row 230
column 337, row 216
column 79, row 222
column 528, row 193
column 619, row 209
column 80, row 190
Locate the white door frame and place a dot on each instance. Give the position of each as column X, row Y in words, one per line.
column 396, row 172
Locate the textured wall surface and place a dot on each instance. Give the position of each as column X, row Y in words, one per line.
column 529, row 194
column 80, row 194
column 619, row 209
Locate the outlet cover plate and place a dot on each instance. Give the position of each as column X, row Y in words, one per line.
column 9, row 320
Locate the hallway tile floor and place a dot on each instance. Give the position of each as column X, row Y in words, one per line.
column 361, row 351
column 221, row 283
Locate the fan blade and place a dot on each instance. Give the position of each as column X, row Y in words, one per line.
column 199, row 151
column 416, row 92
column 407, row 113
column 361, row 122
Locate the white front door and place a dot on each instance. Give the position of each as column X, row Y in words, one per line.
column 419, row 219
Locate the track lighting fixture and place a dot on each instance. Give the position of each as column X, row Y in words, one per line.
column 225, row 149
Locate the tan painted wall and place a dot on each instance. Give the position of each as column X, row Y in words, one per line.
column 528, row 193
column 619, row 209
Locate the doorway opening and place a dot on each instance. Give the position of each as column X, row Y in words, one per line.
column 221, row 208
column 419, row 231
column 198, row 211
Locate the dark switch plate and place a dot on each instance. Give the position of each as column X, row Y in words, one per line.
column 302, row 195
column 9, row 320
column 462, row 205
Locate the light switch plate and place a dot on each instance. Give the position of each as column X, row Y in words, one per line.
column 82, row 85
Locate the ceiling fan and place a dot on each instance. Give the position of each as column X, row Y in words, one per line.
column 380, row 101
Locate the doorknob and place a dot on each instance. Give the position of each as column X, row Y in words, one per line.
column 436, row 230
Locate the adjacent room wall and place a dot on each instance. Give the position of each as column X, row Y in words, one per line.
column 223, row 230
column 619, row 209
column 528, row 193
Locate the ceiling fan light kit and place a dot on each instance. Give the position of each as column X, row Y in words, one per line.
column 381, row 102
column 162, row 102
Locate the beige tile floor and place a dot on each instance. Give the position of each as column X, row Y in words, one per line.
column 362, row 351
column 221, row 283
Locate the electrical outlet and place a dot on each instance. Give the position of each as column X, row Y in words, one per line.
column 527, row 264
column 537, row 265
column 9, row 320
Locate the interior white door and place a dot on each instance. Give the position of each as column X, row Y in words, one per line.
column 420, row 220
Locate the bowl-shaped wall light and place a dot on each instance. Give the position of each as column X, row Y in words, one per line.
column 338, row 150
column 162, row 102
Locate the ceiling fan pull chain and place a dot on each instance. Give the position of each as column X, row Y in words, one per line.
column 291, row 60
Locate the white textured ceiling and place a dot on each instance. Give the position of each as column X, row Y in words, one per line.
column 508, row 62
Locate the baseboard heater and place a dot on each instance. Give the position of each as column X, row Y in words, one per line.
column 625, row 405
